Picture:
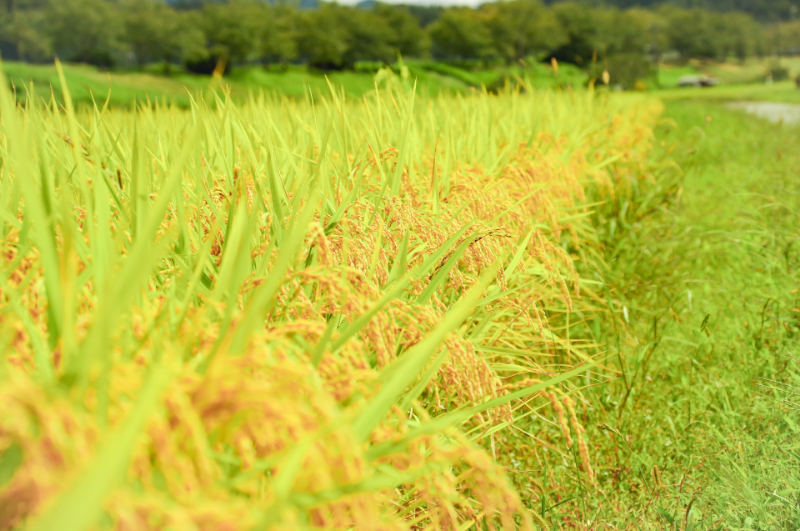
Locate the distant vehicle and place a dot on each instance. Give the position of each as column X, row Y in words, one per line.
column 697, row 81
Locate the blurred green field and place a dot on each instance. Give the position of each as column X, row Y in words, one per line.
column 668, row 75
column 729, row 73
column 784, row 91
column 121, row 88
column 737, row 81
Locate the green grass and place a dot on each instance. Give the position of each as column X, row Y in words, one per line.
column 752, row 70
column 433, row 78
column 737, row 81
column 732, row 72
column 669, row 75
column 295, row 82
column 87, row 82
column 539, row 75
column 784, row 91
column 474, row 78
column 121, row 88
column 709, row 280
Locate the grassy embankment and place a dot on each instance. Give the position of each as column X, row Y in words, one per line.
column 122, row 88
column 701, row 430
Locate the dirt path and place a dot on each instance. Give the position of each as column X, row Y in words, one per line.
column 787, row 113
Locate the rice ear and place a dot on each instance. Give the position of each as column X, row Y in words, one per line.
column 350, row 343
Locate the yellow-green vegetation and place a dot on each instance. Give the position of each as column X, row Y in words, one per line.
column 325, row 313
column 401, row 311
column 87, row 84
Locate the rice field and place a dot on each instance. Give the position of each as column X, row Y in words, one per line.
column 307, row 314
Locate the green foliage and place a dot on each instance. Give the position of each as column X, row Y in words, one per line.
column 200, row 36
column 784, row 38
column 582, row 33
column 624, row 43
column 523, row 28
column 335, row 36
column 279, row 37
column 628, row 69
column 88, row 31
column 156, row 33
column 233, row 29
column 26, row 29
column 461, row 33
column 763, row 10
column 696, row 33
column 777, row 72
column 405, row 35
column 321, row 38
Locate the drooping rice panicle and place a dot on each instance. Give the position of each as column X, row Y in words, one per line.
column 296, row 314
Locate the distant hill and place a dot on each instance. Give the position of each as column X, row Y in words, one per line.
column 764, row 10
column 192, row 4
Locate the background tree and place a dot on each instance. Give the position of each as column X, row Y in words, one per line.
column 367, row 36
column 784, row 38
column 24, row 35
column 425, row 15
column 581, row 33
column 201, row 33
column 156, row 33
column 405, row 32
column 691, row 33
column 654, row 30
column 523, row 28
column 321, row 39
column 623, row 41
column 737, row 35
column 461, row 33
column 87, row 31
column 770, row 11
column 279, row 34
column 233, row 29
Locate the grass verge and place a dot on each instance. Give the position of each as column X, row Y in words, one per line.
column 700, row 431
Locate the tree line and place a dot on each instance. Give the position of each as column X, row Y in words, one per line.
column 201, row 35
column 762, row 10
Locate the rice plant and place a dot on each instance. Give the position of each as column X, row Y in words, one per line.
column 314, row 314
